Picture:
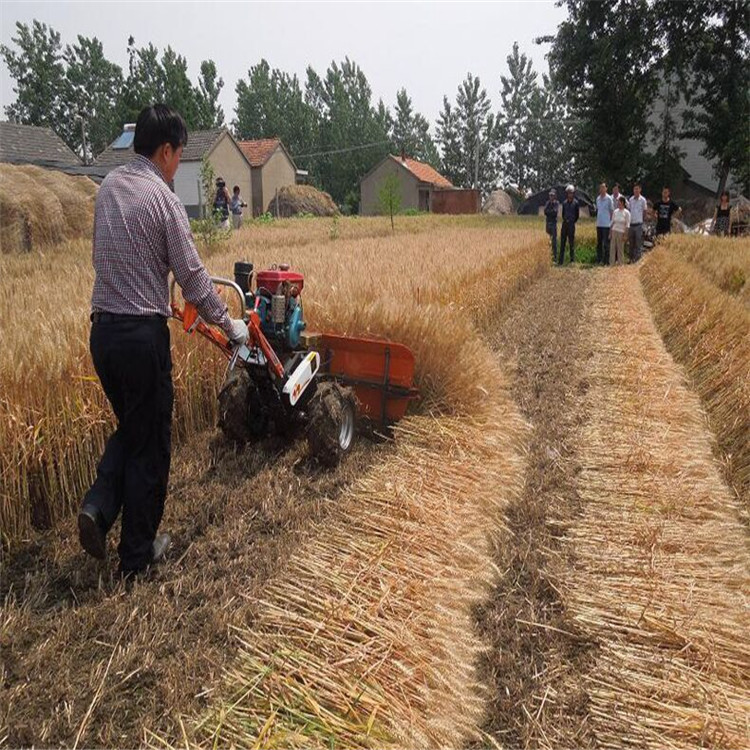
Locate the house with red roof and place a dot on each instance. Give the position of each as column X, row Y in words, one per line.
column 272, row 169
column 422, row 188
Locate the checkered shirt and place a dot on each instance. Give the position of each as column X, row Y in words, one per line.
column 141, row 232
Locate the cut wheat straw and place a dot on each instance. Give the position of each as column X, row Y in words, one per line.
column 708, row 331
column 662, row 566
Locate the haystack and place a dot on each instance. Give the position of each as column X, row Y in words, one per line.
column 41, row 207
column 301, row 199
column 498, row 203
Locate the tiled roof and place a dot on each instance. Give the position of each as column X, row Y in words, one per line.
column 259, row 152
column 424, row 172
column 29, row 144
column 199, row 144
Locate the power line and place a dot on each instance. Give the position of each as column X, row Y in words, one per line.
column 346, row 150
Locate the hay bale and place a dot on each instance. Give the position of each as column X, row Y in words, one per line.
column 302, row 199
column 498, row 203
column 41, row 207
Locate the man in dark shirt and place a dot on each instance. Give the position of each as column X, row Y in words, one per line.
column 665, row 210
column 550, row 214
column 570, row 214
column 141, row 233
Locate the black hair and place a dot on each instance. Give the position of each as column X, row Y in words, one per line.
column 156, row 125
column 236, row 189
column 723, row 193
column 636, row 184
column 622, row 200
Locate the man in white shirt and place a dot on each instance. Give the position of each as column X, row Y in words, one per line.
column 637, row 207
column 604, row 210
column 616, row 195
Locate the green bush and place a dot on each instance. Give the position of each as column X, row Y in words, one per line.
column 209, row 231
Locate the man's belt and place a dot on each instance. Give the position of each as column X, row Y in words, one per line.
column 106, row 317
column 639, row 224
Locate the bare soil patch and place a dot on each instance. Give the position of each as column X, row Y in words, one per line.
column 536, row 651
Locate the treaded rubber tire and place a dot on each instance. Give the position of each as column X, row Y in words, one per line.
column 241, row 414
column 332, row 426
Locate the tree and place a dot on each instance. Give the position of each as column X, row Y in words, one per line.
column 603, row 57
column 718, row 70
column 467, row 135
column 271, row 104
column 410, row 132
column 210, row 113
column 38, row 70
column 389, row 197
column 353, row 133
column 178, row 91
column 90, row 94
column 519, row 93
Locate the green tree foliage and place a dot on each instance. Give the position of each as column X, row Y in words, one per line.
column 533, row 128
column 603, row 56
column 715, row 64
column 389, row 197
column 38, row 70
column 410, row 132
column 210, row 112
column 467, row 134
column 271, row 104
column 348, row 124
column 90, row 94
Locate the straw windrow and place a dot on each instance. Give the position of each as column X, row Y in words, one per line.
column 662, row 566
column 708, row 331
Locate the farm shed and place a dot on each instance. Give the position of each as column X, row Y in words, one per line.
column 272, row 169
column 534, row 205
column 419, row 183
column 217, row 145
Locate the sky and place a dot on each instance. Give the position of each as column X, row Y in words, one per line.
column 427, row 47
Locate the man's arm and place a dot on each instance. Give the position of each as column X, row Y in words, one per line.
column 189, row 270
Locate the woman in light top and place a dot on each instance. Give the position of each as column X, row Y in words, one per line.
column 618, row 232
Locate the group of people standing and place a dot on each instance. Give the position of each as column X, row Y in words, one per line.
column 224, row 205
column 619, row 220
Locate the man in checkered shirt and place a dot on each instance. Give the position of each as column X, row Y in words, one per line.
column 141, row 233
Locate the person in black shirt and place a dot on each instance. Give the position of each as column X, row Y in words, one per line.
column 665, row 210
column 550, row 214
column 570, row 213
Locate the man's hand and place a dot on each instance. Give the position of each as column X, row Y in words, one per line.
column 239, row 333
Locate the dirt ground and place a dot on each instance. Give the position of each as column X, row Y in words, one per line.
column 235, row 517
column 536, row 650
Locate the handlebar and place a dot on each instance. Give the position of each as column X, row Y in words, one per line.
column 219, row 281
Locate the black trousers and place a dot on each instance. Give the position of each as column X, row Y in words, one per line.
column 568, row 232
column 134, row 364
column 602, row 245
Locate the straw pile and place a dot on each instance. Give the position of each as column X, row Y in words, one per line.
column 708, row 331
column 367, row 637
column 723, row 261
column 41, row 207
column 301, row 199
column 661, row 575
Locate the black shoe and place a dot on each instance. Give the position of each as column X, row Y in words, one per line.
column 161, row 544
column 90, row 533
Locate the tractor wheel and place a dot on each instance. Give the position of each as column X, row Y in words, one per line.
column 242, row 417
column 332, row 412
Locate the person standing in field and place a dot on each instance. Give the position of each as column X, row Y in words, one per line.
column 721, row 224
column 666, row 209
column 141, row 233
column 570, row 213
column 616, row 195
column 221, row 202
column 550, row 214
column 637, row 207
column 604, row 209
column 618, row 233
column 236, row 205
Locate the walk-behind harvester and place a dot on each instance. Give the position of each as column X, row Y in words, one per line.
column 286, row 379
